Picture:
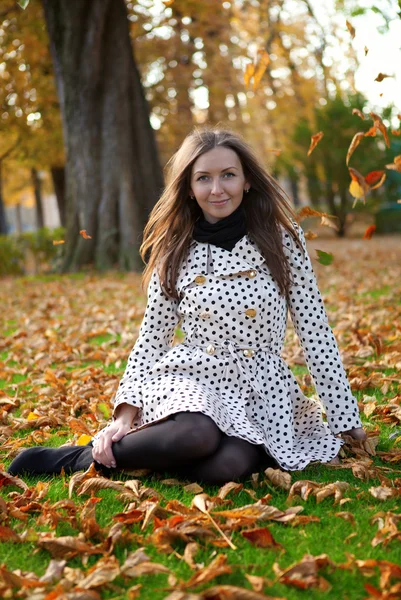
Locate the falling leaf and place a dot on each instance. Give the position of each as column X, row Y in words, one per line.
column 58, row 242
column 356, row 111
column 396, row 165
column 280, row 479
column 378, row 123
column 350, row 28
column 315, row 139
column 356, row 140
column 366, row 50
column 85, row 235
column 249, row 73
column 274, row 151
column 261, row 66
column 381, row 76
column 324, row 258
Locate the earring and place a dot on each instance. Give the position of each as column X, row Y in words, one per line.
column 246, row 190
column 192, row 197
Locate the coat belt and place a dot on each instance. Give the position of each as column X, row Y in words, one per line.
column 228, row 346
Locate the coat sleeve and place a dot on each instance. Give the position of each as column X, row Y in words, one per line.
column 156, row 334
column 317, row 339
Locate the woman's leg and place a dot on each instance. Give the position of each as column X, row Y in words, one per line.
column 234, row 458
column 185, row 436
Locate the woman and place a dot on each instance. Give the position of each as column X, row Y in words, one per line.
column 226, row 260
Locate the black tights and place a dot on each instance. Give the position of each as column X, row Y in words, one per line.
column 187, row 443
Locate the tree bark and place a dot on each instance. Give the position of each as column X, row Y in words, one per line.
column 58, row 177
column 18, row 219
column 37, row 188
column 3, row 220
column 113, row 174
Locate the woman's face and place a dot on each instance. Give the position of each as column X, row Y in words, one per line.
column 218, row 183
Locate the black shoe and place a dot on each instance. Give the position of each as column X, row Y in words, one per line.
column 49, row 461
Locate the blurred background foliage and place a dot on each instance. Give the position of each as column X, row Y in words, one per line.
column 59, row 95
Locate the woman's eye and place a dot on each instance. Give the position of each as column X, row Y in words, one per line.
column 233, row 174
column 201, row 178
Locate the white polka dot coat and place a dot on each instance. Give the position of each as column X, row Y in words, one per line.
column 229, row 365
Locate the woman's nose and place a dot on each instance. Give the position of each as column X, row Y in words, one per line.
column 216, row 187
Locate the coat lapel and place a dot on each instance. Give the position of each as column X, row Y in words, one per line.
column 243, row 257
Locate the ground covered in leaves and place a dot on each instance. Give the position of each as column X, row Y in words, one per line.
column 331, row 532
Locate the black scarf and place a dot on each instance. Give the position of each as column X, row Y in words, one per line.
column 225, row 233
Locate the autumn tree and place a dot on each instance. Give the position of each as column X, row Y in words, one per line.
column 113, row 176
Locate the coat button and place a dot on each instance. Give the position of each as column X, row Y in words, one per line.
column 199, row 279
column 249, row 352
column 210, row 349
column 251, row 312
column 204, row 315
column 252, row 274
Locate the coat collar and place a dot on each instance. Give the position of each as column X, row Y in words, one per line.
column 244, row 256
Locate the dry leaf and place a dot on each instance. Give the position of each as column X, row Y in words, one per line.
column 315, row 139
column 261, row 537
column 280, row 479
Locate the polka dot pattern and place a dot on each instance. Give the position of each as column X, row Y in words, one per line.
column 229, row 366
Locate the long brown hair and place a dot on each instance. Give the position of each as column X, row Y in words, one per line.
column 168, row 232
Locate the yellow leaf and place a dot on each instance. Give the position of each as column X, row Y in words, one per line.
column 356, row 190
column 32, row 416
column 84, row 439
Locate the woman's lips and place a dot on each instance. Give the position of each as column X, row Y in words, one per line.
column 221, row 202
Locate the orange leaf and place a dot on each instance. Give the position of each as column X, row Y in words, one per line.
column 356, row 140
column 369, row 232
column 315, row 139
column 58, row 242
column 85, row 235
column 356, row 111
column 396, row 165
column 378, row 123
column 373, row 177
column 350, row 28
column 261, row 67
column 381, row 76
column 261, row 537
column 249, row 73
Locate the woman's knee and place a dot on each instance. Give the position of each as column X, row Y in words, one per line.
column 195, row 433
column 237, row 460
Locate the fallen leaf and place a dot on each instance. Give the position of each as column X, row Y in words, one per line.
column 261, row 537
column 279, row 479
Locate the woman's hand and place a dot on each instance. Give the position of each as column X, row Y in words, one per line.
column 358, row 433
column 101, row 451
column 114, row 432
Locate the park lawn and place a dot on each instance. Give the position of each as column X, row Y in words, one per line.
column 64, row 346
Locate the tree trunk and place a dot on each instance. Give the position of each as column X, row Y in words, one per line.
column 18, row 219
column 58, row 177
column 37, row 187
column 3, row 220
column 294, row 190
column 113, row 174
